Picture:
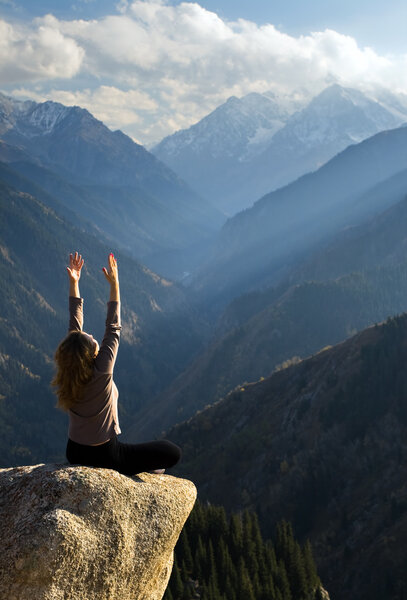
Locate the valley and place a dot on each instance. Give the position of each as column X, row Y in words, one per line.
column 268, row 342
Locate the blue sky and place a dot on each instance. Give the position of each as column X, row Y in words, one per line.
column 381, row 25
column 150, row 67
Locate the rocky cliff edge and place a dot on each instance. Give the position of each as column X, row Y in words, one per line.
column 78, row 533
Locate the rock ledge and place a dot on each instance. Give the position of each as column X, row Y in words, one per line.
column 78, row 533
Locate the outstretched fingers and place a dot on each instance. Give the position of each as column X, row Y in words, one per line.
column 111, row 273
column 76, row 263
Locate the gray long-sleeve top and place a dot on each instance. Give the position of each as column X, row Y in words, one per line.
column 93, row 419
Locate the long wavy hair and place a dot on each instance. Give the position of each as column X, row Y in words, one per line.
column 74, row 360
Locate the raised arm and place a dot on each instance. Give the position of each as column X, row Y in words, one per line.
column 106, row 357
column 112, row 276
column 75, row 301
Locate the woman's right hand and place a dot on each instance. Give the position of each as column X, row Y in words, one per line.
column 112, row 273
column 75, row 267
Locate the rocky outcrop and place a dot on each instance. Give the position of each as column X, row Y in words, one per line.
column 78, row 533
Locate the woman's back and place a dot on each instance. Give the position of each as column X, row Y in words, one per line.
column 93, row 418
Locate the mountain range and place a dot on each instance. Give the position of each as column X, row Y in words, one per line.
column 250, row 146
column 359, row 279
column 319, row 439
column 260, row 245
column 93, row 170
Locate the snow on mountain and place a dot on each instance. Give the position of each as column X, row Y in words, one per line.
column 208, row 152
column 65, row 147
column 394, row 102
column 291, row 102
column 249, row 146
column 228, row 130
column 29, row 118
column 339, row 115
column 44, row 117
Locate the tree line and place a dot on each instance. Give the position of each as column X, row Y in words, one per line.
column 220, row 558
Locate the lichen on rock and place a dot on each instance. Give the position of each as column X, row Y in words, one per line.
column 79, row 533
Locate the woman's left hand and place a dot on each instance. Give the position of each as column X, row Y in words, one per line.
column 75, row 267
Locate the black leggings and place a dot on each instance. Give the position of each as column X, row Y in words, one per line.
column 128, row 459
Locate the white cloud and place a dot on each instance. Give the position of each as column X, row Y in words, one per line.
column 181, row 61
column 36, row 53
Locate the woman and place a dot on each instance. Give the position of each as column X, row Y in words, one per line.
column 86, row 390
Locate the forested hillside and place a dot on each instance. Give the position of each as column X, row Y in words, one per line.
column 226, row 558
column 306, row 318
column 359, row 279
column 34, row 246
column 322, row 444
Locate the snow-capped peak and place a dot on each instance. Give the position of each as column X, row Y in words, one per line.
column 45, row 116
column 338, row 114
column 229, row 129
column 30, row 118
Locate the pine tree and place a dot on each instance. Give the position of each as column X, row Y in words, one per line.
column 235, row 537
column 184, row 551
column 218, row 526
column 283, row 583
column 229, row 589
column 245, row 590
column 270, row 557
column 175, row 583
column 213, row 587
column 212, row 574
column 168, row 594
column 310, row 567
column 284, row 541
column 200, row 560
column 250, row 551
column 196, row 524
column 229, row 572
column 296, row 572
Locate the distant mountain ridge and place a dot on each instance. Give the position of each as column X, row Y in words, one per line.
column 260, row 245
column 358, row 278
column 302, row 320
column 207, row 153
column 250, row 146
column 162, row 213
column 230, row 129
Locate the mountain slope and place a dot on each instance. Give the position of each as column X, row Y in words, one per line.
column 208, row 153
column 359, row 279
column 160, row 331
column 259, row 245
column 250, row 146
column 322, row 443
column 82, row 158
column 303, row 320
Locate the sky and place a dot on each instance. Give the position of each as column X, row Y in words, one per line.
column 151, row 67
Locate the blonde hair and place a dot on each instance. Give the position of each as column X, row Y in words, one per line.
column 74, row 359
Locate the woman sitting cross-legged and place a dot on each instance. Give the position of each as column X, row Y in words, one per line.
column 86, row 390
